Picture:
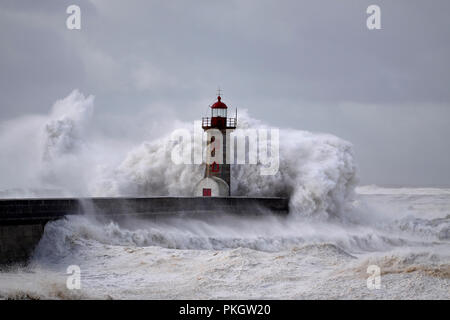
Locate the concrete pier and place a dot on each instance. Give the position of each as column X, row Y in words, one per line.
column 22, row 221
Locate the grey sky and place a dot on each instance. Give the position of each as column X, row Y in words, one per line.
column 302, row 64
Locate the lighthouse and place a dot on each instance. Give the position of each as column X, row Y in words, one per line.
column 217, row 178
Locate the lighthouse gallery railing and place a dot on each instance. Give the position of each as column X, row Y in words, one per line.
column 231, row 122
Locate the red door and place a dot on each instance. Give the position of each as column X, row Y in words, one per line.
column 206, row 192
column 215, row 167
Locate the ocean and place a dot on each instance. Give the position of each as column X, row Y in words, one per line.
column 405, row 232
column 339, row 241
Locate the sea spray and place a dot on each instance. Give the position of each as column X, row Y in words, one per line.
column 317, row 171
column 222, row 256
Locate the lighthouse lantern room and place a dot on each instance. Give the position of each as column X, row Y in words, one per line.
column 218, row 127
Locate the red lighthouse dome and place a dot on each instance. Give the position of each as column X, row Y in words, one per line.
column 219, row 104
column 219, row 110
column 218, row 119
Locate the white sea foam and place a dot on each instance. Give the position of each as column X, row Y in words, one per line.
column 317, row 171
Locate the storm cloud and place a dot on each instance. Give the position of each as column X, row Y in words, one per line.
column 309, row 65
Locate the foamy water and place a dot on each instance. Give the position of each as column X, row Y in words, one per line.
column 321, row 250
column 232, row 257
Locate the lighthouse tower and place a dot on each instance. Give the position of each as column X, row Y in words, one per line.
column 216, row 182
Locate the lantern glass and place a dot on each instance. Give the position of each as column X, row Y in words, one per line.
column 219, row 112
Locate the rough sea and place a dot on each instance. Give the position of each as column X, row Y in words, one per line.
column 322, row 250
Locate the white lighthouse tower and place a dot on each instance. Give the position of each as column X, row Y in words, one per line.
column 218, row 127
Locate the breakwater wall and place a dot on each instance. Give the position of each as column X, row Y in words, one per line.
column 22, row 221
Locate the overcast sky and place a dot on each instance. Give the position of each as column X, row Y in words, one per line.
column 309, row 65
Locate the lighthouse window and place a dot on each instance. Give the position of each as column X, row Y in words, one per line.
column 219, row 112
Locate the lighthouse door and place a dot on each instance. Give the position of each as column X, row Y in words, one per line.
column 206, row 192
